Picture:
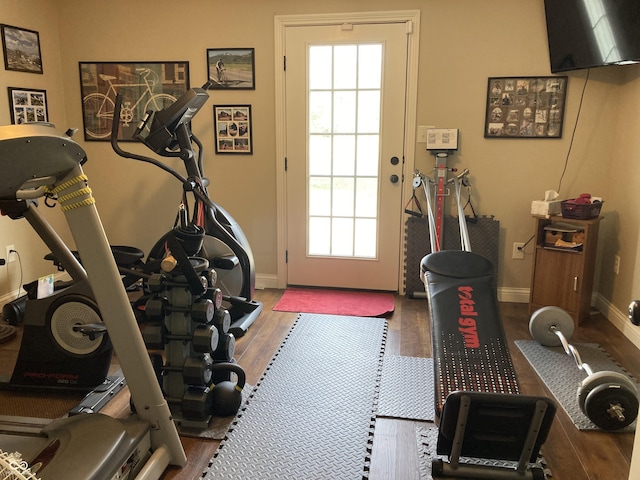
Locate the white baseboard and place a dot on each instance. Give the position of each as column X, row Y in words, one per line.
column 514, row 295
column 266, row 281
column 10, row 297
column 619, row 319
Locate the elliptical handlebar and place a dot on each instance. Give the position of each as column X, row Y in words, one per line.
column 116, row 147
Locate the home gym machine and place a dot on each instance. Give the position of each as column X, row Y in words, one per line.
column 480, row 412
column 168, row 133
column 39, row 161
column 608, row 398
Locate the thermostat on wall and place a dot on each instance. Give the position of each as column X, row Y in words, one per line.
column 442, row 139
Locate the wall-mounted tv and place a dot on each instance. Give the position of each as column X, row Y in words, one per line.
column 592, row 33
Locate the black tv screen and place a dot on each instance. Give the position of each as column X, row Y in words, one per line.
column 592, row 33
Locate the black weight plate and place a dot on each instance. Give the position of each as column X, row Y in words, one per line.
column 602, row 378
column 603, row 398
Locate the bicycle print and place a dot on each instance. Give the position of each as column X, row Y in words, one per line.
column 143, row 87
column 231, row 68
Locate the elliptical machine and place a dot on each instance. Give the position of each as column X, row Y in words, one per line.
column 167, row 133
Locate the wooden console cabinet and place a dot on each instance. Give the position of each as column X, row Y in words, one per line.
column 564, row 277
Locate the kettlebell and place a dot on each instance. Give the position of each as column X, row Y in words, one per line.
column 226, row 395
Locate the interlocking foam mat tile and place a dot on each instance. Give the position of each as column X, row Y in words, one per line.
column 560, row 374
column 312, row 414
column 406, row 388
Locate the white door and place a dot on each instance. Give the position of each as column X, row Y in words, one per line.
column 345, row 128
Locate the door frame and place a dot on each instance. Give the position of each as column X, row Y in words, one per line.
column 281, row 23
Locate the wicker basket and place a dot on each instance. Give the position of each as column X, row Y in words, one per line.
column 581, row 211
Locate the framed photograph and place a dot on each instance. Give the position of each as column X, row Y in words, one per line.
column 525, row 107
column 28, row 105
column 143, row 86
column 231, row 68
column 21, row 48
column 233, row 129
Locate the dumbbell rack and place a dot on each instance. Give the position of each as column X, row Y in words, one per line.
column 178, row 319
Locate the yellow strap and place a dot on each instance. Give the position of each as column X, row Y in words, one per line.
column 81, row 192
column 83, row 203
column 77, row 193
column 69, row 183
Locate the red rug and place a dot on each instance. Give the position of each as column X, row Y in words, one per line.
column 336, row 302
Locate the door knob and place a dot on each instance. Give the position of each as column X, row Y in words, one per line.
column 394, row 178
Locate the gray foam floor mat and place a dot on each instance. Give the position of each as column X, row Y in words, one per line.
column 312, row 414
column 406, row 388
column 427, row 438
column 559, row 373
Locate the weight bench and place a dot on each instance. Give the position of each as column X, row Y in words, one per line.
column 479, row 409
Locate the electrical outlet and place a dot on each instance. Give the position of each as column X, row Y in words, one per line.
column 9, row 253
column 616, row 264
column 518, row 251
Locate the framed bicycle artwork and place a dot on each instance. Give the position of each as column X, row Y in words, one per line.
column 231, row 68
column 143, row 86
column 525, row 107
column 28, row 105
column 233, row 130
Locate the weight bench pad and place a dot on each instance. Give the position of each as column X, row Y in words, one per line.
column 469, row 346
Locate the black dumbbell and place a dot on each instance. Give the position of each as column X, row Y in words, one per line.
column 201, row 311
column 609, row 399
column 196, row 371
column 195, row 404
column 226, row 348
column 222, row 320
column 215, row 294
column 205, row 339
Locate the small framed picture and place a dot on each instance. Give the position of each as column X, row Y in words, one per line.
column 233, row 131
column 28, row 105
column 21, row 48
column 525, row 107
column 231, row 69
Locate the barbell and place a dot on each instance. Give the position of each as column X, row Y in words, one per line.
column 608, row 398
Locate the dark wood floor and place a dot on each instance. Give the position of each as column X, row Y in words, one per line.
column 571, row 454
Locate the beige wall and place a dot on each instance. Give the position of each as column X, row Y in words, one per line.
column 463, row 42
column 41, row 16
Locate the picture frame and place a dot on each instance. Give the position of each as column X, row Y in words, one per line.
column 231, row 68
column 143, row 86
column 21, row 49
column 233, row 129
column 28, row 105
column 525, row 107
